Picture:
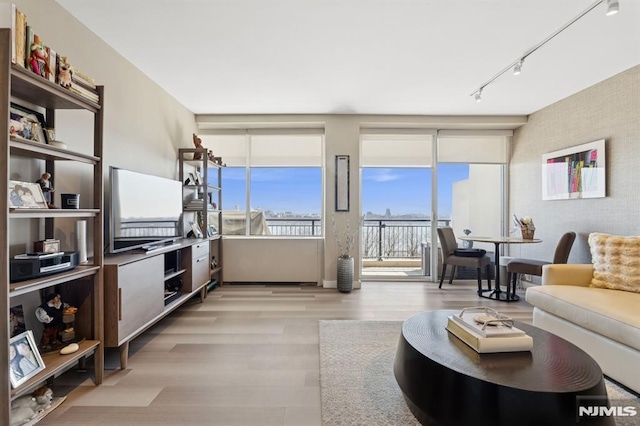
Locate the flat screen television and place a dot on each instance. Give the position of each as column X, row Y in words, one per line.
column 145, row 210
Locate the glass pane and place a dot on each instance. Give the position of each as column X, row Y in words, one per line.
column 234, row 189
column 397, row 205
column 286, row 200
column 470, row 197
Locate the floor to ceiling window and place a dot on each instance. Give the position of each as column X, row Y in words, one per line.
column 273, row 181
column 396, row 203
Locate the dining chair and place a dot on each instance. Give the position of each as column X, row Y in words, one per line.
column 534, row 267
column 449, row 245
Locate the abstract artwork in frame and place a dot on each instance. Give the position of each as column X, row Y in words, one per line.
column 576, row 172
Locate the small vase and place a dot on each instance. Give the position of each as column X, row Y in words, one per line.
column 345, row 274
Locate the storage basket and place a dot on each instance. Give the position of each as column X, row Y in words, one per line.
column 527, row 233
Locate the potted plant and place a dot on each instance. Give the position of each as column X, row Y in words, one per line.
column 345, row 240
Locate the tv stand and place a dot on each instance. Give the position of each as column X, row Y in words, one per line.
column 151, row 248
column 134, row 287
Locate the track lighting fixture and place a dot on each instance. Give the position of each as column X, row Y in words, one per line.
column 613, row 7
column 517, row 69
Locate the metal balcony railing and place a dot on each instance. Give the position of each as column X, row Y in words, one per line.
column 381, row 238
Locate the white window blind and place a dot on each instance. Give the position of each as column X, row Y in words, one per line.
column 478, row 147
column 267, row 150
column 286, row 150
column 396, row 150
column 232, row 148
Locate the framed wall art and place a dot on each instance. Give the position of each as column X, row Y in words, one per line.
column 342, row 183
column 576, row 172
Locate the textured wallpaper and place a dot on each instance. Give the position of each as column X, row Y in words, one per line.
column 609, row 110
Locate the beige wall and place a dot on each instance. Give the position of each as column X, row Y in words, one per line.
column 143, row 125
column 608, row 110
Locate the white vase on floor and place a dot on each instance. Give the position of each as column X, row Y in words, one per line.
column 345, row 274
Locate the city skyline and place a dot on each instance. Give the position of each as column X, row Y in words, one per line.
column 405, row 191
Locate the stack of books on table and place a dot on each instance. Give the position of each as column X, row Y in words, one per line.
column 487, row 331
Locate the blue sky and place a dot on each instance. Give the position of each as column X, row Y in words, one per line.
column 403, row 190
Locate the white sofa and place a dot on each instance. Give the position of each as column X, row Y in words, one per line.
column 604, row 323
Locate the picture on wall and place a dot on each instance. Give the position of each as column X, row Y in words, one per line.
column 576, row 172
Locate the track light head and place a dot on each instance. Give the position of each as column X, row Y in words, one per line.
column 479, row 95
column 612, row 7
column 517, row 69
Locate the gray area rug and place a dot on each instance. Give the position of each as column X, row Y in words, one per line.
column 357, row 382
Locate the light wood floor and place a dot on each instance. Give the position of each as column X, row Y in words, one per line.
column 248, row 355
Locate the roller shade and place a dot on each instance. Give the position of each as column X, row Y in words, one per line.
column 267, row 150
column 396, row 150
column 232, row 148
column 286, row 150
column 477, row 147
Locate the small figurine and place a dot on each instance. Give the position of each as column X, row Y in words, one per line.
column 65, row 73
column 38, row 59
column 198, row 144
column 50, row 314
column 47, row 189
column 27, row 407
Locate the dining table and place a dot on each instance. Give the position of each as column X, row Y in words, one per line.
column 497, row 294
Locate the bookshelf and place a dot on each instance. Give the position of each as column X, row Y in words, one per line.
column 82, row 286
column 202, row 195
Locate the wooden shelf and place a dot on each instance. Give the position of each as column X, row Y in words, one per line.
column 25, row 87
column 55, row 363
column 25, row 148
column 40, row 91
column 45, row 213
column 23, row 287
column 174, row 274
column 215, row 270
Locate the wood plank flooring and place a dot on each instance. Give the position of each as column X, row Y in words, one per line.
column 248, row 355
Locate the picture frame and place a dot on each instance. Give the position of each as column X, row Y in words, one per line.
column 16, row 320
column 211, row 231
column 342, row 183
column 195, row 228
column 25, row 361
column 575, row 172
column 27, row 123
column 198, row 178
column 26, row 195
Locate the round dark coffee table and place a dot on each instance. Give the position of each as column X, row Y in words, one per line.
column 445, row 382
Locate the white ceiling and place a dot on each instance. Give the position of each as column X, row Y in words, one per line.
column 365, row 56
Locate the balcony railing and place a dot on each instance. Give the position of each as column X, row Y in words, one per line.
column 381, row 238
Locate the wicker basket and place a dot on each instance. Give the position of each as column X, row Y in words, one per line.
column 527, row 234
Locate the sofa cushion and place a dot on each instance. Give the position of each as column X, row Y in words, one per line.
column 611, row 313
column 616, row 262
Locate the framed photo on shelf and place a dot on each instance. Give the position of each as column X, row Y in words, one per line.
column 26, row 195
column 26, row 123
column 198, row 177
column 25, row 361
column 195, row 229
